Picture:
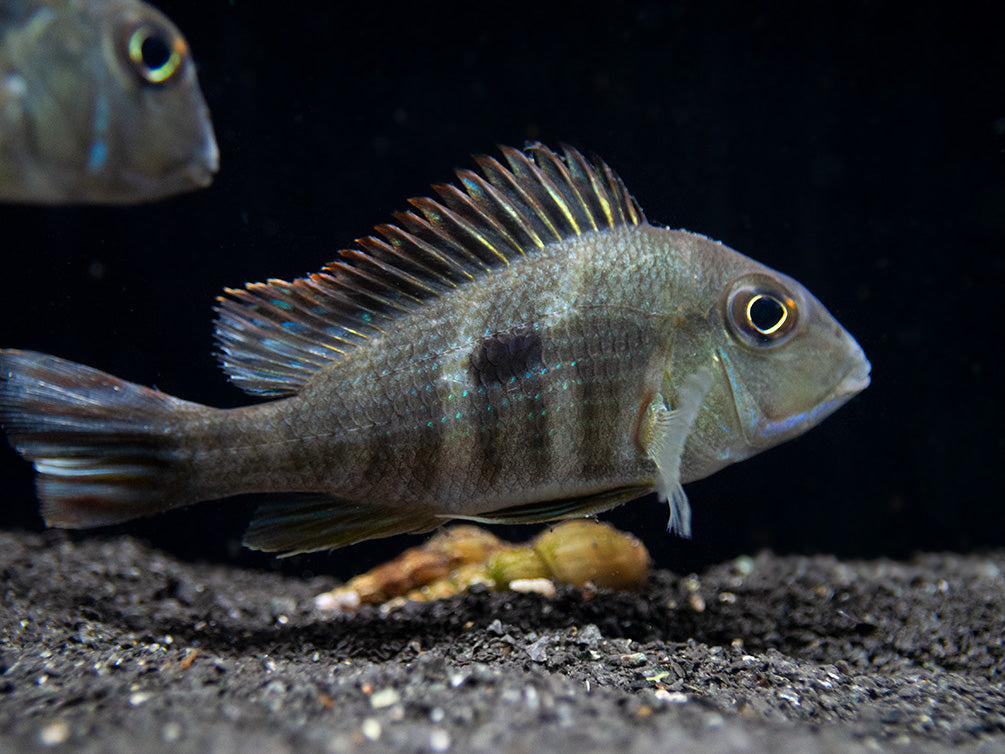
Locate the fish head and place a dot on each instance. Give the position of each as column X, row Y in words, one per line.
column 780, row 364
column 108, row 107
column 160, row 135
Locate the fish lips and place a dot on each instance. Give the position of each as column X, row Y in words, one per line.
column 195, row 171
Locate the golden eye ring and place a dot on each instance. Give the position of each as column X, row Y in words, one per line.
column 154, row 53
column 761, row 312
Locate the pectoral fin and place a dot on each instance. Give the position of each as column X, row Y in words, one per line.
column 663, row 433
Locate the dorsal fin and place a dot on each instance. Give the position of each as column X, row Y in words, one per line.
column 272, row 337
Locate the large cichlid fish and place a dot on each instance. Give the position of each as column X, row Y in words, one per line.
column 525, row 348
column 99, row 103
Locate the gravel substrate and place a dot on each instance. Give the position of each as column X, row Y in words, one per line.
column 110, row 645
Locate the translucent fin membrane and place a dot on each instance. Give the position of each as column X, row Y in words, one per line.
column 98, row 443
column 293, row 524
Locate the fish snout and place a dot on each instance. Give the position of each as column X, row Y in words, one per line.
column 856, row 378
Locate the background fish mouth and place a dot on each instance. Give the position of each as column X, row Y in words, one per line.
column 200, row 171
column 196, row 171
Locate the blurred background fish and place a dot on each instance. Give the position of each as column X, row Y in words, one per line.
column 99, row 103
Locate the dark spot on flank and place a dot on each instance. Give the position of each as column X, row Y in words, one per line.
column 503, row 356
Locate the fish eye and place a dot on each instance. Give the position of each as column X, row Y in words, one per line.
column 761, row 311
column 154, row 53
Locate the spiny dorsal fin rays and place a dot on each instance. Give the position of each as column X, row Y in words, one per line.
column 596, row 199
column 546, row 194
column 507, row 183
column 471, row 211
column 460, row 234
column 272, row 337
column 563, row 189
column 410, row 247
column 507, row 213
column 628, row 210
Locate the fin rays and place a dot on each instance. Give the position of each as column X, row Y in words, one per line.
column 272, row 337
column 294, row 524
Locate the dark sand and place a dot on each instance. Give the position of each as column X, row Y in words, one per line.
column 110, row 645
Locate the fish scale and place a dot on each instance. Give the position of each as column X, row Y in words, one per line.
column 526, row 348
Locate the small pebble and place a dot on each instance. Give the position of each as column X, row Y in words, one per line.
column 54, row 733
column 171, row 732
column 744, row 565
column 589, row 635
column 282, row 607
column 346, row 601
column 439, row 740
column 370, row 729
column 538, row 651
column 634, row 660
column 544, row 587
column 384, row 698
column 697, row 602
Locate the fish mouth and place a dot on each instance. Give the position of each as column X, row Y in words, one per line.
column 758, row 428
column 188, row 173
column 857, row 377
column 854, row 382
column 204, row 168
column 198, row 171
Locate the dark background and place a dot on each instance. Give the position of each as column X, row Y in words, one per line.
column 857, row 146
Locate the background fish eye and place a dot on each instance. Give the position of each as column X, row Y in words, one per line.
column 761, row 313
column 154, row 53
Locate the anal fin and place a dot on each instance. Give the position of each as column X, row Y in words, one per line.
column 295, row 524
column 554, row 510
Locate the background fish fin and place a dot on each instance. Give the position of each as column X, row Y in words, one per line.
column 663, row 433
column 273, row 336
column 554, row 510
column 97, row 442
column 294, row 524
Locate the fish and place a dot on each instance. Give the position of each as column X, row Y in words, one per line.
column 525, row 347
column 99, row 104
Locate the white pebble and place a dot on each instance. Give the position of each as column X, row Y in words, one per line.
column 171, row 732
column 544, row 587
column 54, row 733
column 384, row 698
column 370, row 729
column 346, row 601
column 439, row 740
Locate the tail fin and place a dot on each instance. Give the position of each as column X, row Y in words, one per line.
column 102, row 446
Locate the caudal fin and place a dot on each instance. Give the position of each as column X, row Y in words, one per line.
column 102, row 446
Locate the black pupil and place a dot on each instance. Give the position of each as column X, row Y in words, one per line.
column 155, row 52
column 765, row 313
